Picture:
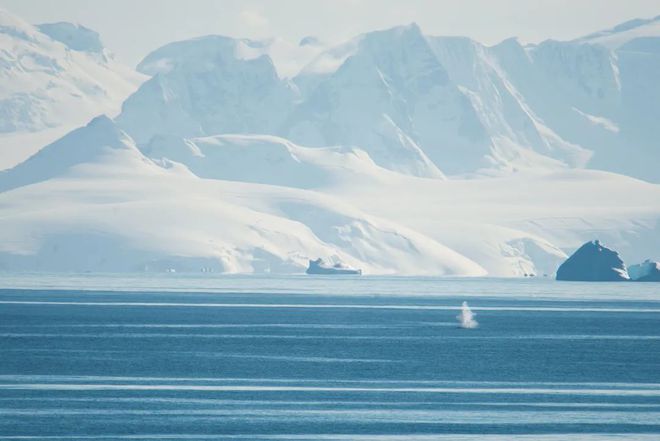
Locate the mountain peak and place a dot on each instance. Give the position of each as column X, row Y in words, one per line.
column 310, row 40
column 207, row 86
column 511, row 42
column 624, row 33
column 205, row 53
column 626, row 26
column 168, row 57
column 74, row 36
column 103, row 125
column 411, row 30
column 55, row 77
column 86, row 144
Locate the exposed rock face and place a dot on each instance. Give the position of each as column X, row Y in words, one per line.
column 647, row 271
column 318, row 266
column 593, row 262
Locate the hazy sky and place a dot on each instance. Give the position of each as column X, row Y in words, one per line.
column 132, row 28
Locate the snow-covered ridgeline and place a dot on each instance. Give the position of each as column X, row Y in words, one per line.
column 225, row 161
column 53, row 78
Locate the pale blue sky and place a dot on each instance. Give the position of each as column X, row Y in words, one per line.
column 132, row 28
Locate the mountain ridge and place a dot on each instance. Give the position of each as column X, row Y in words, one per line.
column 395, row 152
column 422, row 105
column 48, row 88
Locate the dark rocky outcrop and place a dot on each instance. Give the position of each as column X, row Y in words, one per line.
column 593, row 262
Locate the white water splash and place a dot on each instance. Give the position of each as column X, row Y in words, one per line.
column 466, row 317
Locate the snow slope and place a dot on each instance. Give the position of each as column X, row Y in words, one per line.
column 104, row 206
column 53, row 78
column 267, row 160
column 524, row 223
column 625, row 33
column 74, row 36
column 94, row 193
column 521, row 223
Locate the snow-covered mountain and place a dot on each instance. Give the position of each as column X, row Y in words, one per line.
column 94, row 201
column 267, row 160
column 395, row 152
column 638, row 32
column 520, row 139
column 392, row 97
column 593, row 99
column 206, row 86
column 420, row 105
column 53, row 78
column 105, row 206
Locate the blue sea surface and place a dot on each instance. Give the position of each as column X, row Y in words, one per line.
column 313, row 358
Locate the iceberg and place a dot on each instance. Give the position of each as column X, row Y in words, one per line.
column 593, row 262
column 647, row 271
column 318, row 266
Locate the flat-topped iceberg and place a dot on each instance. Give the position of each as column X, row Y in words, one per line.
column 593, row 262
column 319, row 266
column 647, row 271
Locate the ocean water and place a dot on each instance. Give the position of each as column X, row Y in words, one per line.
column 312, row 358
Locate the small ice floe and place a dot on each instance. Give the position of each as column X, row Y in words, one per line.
column 466, row 317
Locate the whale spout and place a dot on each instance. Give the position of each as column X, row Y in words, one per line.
column 466, row 317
